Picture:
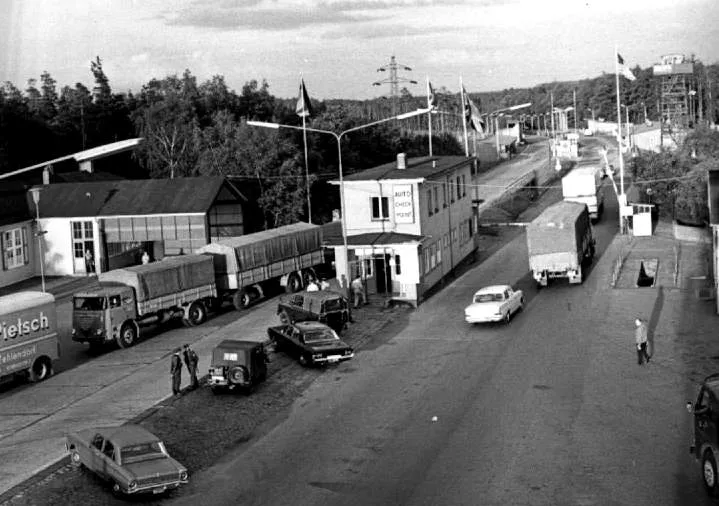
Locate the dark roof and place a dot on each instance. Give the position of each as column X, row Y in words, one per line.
column 417, row 168
column 374, row 239
column 80, row 176
column 14, row 206
column 131, row 197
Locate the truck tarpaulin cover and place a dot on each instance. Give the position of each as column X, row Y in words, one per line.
column 168, row 276
column 560, row 228
column 236, row 254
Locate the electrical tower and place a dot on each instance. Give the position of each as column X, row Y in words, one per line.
column 676, row 93
column 394, row 80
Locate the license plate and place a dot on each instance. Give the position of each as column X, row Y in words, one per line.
column 333, row 359
column 159, row 490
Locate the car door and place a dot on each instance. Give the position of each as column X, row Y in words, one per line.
column 705, row 418
column 95, row 462
column 109, row 469
column 297, row 341
column 296, row 307
column 513, row 299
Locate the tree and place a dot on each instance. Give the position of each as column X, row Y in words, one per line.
column 101, row 91
column 48, row 101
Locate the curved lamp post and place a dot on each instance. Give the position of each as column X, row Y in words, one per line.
column 35, row 192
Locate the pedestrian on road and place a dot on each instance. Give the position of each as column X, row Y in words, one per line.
column 191, row 360
column 176, row 371
column 358, row 291
column 640, row 336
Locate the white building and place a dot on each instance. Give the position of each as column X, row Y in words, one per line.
column 409, row 223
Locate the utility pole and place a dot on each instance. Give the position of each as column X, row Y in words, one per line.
column 393, row 80
column 575, row 110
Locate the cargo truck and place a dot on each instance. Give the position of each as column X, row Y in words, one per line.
column 28, row 335
column 246, row 266
column 584, row 185
column 559, row 242
column 131, row 298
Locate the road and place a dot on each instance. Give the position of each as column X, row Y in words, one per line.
column 549, row 410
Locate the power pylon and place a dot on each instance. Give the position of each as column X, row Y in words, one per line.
column 394, row 80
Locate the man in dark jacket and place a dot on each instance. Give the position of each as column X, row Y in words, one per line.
column 176, row 371
column 191, row 360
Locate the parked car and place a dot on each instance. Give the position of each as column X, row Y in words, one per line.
column 313, row 343
column 324, row 306
column 494, row 303
column 705, row 446
column 238, row 364
column 129, row 457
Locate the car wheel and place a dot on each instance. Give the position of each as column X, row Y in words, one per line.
column 304, row 361
column 507, row 317
column 128, row 335
column 709, row 473
column 237, row 374
column 116, row 489
column 75, row 459
column 521, row 304
column 197, row 314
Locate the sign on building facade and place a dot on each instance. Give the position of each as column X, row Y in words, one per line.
column 403, row 203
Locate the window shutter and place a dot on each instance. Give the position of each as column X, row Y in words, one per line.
column 25, row 253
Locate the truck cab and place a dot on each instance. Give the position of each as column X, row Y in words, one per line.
column 101, row 315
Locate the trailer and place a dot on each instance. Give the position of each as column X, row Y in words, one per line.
column 584, row 185
column 245, row 266
column 131, row 298
column 559, row 242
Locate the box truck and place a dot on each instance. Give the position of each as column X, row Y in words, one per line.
column 584, row 185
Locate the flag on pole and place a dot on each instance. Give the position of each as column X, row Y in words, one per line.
column 623, row 69
column 472, row 115
column 304, row 106
column 431, row 96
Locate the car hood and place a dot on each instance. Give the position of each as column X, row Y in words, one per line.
column 152, row 467
column 483, row 308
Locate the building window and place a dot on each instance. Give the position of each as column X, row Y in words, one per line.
column 368, row 267
column 14, row 247
column 445, row 240
column 444, row 194
column 464, row 185
column 433, row 256
column 439, row 252
column 436, row 199
column 397, row 265
column 459, row 188
column 429, row 202
column 380, row 208
column 470, row 226
column 426, row 260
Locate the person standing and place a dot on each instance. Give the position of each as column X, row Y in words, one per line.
column 358, row 291
column 176, row 371
column 191, row 360
column 89, row 262
column 324, row 284
column 312, row 286
column 640, row 336
column 145, row 258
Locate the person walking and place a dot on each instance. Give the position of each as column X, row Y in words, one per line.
column 640, row 336
column 176, row 371
column 358, row 291
column 191, row 360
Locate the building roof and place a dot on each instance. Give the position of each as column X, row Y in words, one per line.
column 138, row 197
column 14, row 206
column 374, row 239
column 417, row 168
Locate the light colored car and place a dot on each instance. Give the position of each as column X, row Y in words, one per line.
column 129, row 457
column 493, row 304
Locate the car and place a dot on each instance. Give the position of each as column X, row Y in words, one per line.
column 705, row 445
column 324, row 306
column 493, row 304
column 238, row 364
column 129, row 457
column 313, row 343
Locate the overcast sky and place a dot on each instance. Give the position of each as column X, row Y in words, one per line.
column 337, row 45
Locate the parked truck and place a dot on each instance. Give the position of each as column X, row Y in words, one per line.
column 131, row 298
column 559, row 242
column 584, row 184
column 28, row 335
column 247, row 265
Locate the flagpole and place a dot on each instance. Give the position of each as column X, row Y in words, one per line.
column 429, row 118
column 619, row 141
column 304, row 138
column 464, row 116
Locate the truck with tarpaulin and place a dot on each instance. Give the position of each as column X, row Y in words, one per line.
column 131, row 298
column 559, row 242
column 247, row 266
column 584, row 185
column 28, row 335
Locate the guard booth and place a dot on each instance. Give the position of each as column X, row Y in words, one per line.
column 641, row 218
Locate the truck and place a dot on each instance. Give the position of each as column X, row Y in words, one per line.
column 28, row 336
column 247, row 266
column 130, row 298
column 584, row 184
column 559, row 242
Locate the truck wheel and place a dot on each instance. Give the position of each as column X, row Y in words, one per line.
column 197, row 314
column 40, row 370
column 709, row 473
column 242, row 299
column 128, row 336
column 294, row 283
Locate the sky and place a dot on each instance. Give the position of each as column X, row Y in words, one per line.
column 336, row 46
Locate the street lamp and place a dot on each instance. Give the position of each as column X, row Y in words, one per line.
column 35, row 192
column 496, row 119
column 338, row 138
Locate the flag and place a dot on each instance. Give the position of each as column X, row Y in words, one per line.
column 304, row 106
column 472, row 115
column 431, row 97
column 623, row 69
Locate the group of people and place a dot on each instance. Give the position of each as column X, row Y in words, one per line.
column 357, row 287
column 315, row 286
column 191, row 361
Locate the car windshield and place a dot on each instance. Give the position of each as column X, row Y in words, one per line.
column 144, row 451
column 317, row 335
column 89, row 303
column 335, row 304
column 489, row 297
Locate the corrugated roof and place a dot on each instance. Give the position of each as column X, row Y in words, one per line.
column 417, row 168
column 375, row 239
column 129, row 197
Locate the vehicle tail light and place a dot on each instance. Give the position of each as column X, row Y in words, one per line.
column 348, row 352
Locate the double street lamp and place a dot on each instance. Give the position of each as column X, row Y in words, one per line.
column 338, row 138
column 35, row 192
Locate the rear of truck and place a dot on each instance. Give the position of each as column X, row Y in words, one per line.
column 28, row 335
column 584, row 185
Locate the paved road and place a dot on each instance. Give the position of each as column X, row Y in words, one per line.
column 550, row 410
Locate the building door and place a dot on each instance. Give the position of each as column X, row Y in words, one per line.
column 82, row 241
column 383, row 273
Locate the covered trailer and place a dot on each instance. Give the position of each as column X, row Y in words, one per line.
column 559, row 241
column 243, row 265
column 584, row 185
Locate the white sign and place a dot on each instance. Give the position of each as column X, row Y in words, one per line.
column 403, row 203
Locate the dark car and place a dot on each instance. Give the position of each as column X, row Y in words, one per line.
column 238, row 364
column 324, row 306
column 313, row 343
column 705, row 446
column 129, row 457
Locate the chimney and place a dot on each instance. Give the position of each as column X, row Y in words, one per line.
column 401, row 161
column 46, row 175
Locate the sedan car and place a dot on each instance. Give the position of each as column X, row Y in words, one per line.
column 493, row 304
column 129, row 457
column 313, row 343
